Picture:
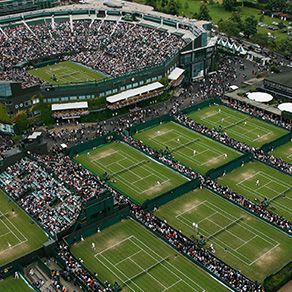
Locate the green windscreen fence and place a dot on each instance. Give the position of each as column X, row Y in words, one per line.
column 276, row 143
column 171, row 195
column 229, row 166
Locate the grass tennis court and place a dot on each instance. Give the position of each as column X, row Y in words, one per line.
column 237, row 125
column 18, row 234
column 284, row 152
column 130, row 171
column 188, row 147
column 129, row 254
column 14, row 285
column 66, row 72
column 241, row 240
column 257, row 181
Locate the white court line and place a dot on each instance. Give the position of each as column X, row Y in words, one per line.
column 127, row 258
column 2, row 235
column 180, row 214
column 178, row 281
column 111, row 270
column 148, row 274
column 146, row 247
column 264, row 254
column 245, row 243
column 110, row 247
column 255, row 232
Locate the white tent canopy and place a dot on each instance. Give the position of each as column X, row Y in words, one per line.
column 286, row 106
column 134, row 92
column 175, row 73
column 34, row 135
column 70, row 106
column 260, row 96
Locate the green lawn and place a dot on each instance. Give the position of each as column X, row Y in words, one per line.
column 272, row 184
column 284, row 152
column 19, row 235
column 253, row 246
column 66, row 72
column 131, row 255
column 237, row 125
column 190, row 148
column 13, row 285
column 130, row 171
column 217, row 12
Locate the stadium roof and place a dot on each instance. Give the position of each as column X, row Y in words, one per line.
column 70, row 106
column 175, row 73
column 283, row 78
column 134, row 92
column 260, row 96
column 286, row 106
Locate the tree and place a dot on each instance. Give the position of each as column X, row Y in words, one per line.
column 21, row 121
column 151, row 3
column 277, row 5
column 235, row 17
column 204, row 12
column 250, row 26
column 4, row 117
column 173, row 7
column 229, row 4
column 229, row 27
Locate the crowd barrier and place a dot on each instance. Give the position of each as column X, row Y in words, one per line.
column 196, row 107
column 99, row 225
column 276, row 143
column 229, row 166
column 275, row 281
column 171, row 195
column 150, row 123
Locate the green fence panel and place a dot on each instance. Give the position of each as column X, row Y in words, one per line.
column 150, row 123
column 99, row 225
column 201, row 105
column 229, row 166
column 276, row 143
column 74, row 150
column 274, row 282
column 171, row 195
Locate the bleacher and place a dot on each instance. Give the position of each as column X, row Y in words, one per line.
column 41, row 195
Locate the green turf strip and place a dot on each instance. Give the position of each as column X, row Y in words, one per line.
column 13, row 285
column 257, row 181
column 190, row 148
column 284, row 152
column 18, row 234
column 66, row 72
column 237, row 125
column 130, row 171
column 129, row 254
column 240, row 239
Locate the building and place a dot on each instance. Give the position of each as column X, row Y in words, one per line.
column 279, row 85
column 196, row 58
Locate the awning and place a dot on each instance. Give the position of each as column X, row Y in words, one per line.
column 260, row 96
column 34, row 135
column 175, row 73
column 134, row 92
column 286, row 106
column 70, row 106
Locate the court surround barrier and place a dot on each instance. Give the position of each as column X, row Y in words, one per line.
column 186, row 255
column 148, row 204
column 171, row 195
column 229, row 166
column 277, row 280
column 276, row 143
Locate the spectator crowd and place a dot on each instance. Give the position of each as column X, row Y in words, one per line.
column 114, row 48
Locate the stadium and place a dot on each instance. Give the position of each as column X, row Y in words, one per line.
column 133, row 156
